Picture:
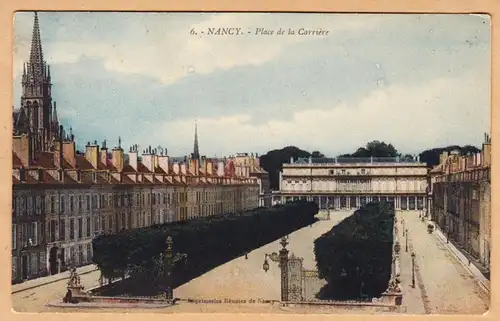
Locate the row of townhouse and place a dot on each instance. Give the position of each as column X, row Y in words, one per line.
column 460, row 198
column 62, row 200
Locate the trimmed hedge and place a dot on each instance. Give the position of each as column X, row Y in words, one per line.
column 355, row 256
column 207, row 241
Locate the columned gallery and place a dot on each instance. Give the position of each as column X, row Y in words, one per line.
column 349, row 183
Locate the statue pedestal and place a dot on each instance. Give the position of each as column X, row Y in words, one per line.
column 76, row 294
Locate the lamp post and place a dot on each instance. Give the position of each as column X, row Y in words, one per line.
column 282, row 258
column 413, row 269
column 406, row 240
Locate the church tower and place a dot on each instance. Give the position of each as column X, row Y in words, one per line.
column 36, row 115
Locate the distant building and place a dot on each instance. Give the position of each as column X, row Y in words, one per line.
column 62, row 199
column 251, row 163
column 461, row 200
column 349, row 182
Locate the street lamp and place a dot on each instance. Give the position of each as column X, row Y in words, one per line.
column 413, row 269
column 406, row 240
column 282, row 259
column 265, row 266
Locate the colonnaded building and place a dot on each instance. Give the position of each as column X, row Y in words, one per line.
column 345, row 183
column 62, row 198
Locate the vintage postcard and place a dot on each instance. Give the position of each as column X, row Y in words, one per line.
column 180, row 162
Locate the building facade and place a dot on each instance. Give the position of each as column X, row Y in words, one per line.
column 349, row 183
column 62, row 199
column 251, row 162
column 461, row 201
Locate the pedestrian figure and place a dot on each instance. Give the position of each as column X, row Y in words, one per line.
column 246, row 255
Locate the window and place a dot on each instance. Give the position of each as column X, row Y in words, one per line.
column 331, row 172
column 88, row 226
column 29, row 202
column 62, row 229
column 61, row 204
column 80, row 202
column 72, row 229
column 80, row 228
column 71, row 204
column 88, row 202
column 34, row 239
column 14, row 236
column 343, row 172
column 89, row 252
column 96, row 224
column 38, row 204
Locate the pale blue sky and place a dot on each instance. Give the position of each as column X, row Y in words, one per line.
column 417, row 81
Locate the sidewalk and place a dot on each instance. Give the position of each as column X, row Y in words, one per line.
column 31, row 284
column 471, row 268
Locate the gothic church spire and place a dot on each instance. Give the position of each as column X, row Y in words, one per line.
column 196, row 150
column 36, row 63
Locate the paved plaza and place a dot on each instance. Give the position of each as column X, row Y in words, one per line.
column 443, row 285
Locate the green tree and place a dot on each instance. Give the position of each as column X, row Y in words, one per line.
column 374, row 149
column 273, row 161
column 431, row 156
column 317, row 154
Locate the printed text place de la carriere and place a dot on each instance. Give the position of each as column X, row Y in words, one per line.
column 259, row 32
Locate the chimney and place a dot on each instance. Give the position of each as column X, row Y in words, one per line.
column 69, row 153
column 183, row 169
column 291, row 159
column 221, row 168
column 148, row 159
column 310, row 160
column 163, row 162
column 176, row 168
column 194, row 166
column 21, row 147
column 442, row 157
column 486, row 152
column 209, row 167
column 117, row 156
column 92, row 154
column 104, row 153
column 133, row 156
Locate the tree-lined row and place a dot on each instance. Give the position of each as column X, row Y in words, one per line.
column 207, row 242
column 355, row 256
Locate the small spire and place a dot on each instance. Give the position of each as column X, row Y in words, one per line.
column 119, row 142
column 54, row 114
column 196, row 150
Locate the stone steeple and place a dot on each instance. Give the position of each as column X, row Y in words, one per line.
column 36, row 99
column 196, row 150
column 37, row 65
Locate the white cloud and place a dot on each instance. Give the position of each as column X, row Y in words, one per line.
column 430, row 115
column 170, row 54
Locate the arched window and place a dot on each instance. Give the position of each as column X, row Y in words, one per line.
column 36, row 115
